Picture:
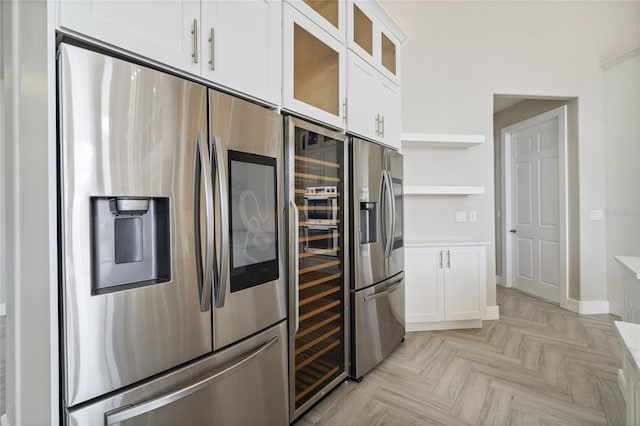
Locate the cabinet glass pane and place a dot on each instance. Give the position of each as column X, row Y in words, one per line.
column 315, row 72
column 319, row 188
column 388, row 54
column 362, row 30
column 328, row 9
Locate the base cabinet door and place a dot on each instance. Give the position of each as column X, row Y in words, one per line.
column 464, row 271
column 425, row 284
column 163, row 31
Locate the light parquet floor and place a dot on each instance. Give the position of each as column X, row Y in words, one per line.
column 537, row 365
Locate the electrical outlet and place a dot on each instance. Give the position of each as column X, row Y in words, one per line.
column 461, row 216
column 473, row 216
column 597, row 214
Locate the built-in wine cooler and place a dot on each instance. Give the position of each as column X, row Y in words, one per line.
column 318, row 259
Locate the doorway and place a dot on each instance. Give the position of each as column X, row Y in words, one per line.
column 535, row 205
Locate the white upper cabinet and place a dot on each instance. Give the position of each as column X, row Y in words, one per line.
column 373, row 103
column 369, row 36
column 164, row 31
column 240, row 40
column 328, row 14
column 242, row 45
column 314, row 70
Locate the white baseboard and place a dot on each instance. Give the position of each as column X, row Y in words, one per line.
column 588, row 306
column 492, row 313
column 3, row 309
column 443, row 325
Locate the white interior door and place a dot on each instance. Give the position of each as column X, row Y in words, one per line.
column 538, row 205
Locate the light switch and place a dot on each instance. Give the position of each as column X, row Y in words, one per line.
column 461, row 216
column 473, row 216
column 597, row 214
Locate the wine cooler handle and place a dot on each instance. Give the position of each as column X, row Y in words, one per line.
column 223, row 268
column 294, row 266
column 204, row 274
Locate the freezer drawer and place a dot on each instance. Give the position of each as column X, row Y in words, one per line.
column 242, row 385
column 379, row 323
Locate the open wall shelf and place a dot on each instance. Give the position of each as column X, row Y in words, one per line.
column 443, row 190
column 437, row 140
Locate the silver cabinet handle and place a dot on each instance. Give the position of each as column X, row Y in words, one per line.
column 440, row 259
column 377, row 124
column 212, row 49
column 344, row 109
column 382, row 125
column 194, row 33
column 204, row 275
column 449, row 259
column 294, row 266
column 223, row 269
column 397, row 283
column 125, row 413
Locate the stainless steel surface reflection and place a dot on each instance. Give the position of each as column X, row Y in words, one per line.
column 127, row 131
column 379, row 322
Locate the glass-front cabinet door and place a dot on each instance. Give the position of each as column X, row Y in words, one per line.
column 319, row 253
column 314, row 70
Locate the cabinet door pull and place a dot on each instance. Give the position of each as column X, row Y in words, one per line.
column 194, row 33
column 382, row 125
column 212, row 49
column 440, row 259
column 344, row 110
column 377, row 124
column 449, row 259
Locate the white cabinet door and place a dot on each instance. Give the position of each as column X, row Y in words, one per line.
column 313, row 77
column 328, row 14
column 424, row 284
column 242, row 46
column 159, row 30
column 362, row 97
column 389, row 107
column 464, row 272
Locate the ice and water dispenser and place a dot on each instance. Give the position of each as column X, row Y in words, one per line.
column 368, row 222
column 131, row 242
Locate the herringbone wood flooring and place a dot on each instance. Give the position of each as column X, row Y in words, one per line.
column 538, row 365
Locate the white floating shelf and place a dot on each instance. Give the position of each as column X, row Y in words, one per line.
column 434, row 140
column 443, row 190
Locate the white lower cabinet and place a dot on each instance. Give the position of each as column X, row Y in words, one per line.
column 446, row 286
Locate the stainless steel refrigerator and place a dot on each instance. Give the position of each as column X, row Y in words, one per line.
column 377, row 284
column 318, row 261
column 171, row 207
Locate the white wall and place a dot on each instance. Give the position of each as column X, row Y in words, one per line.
column 459, row 54
column 622, row 124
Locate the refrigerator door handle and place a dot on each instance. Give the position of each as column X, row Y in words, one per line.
column 223, row 268
column 130, row 411
column 383, row 213
column 204, row 275
column 391, row 289
column 294, row 266
column 388, row 216
column 392, row 197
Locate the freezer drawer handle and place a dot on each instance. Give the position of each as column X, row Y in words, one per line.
column 125, row 413
column 384, row 293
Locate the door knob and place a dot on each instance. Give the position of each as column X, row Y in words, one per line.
column 513, row 231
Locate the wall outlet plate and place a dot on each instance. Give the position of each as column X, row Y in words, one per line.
column 597, row 214
column 461, row 216
column 473, row 216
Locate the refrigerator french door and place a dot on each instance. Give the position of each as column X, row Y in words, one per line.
column 377, row 285
column 171, row 228
column 318, row 261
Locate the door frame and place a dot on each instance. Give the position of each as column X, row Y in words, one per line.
column 507, row 243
